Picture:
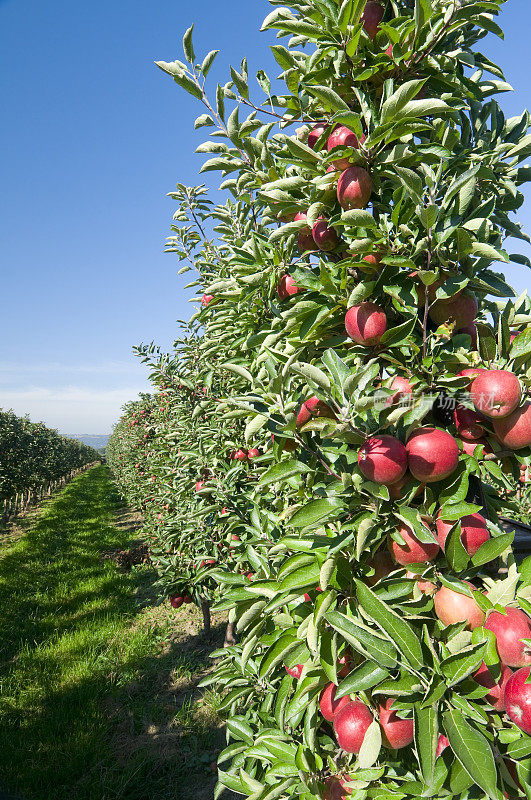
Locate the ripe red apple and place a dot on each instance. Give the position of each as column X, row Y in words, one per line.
column 287, row 287
column 518, row 699
column 373, row 261
column 295, row 671
column 468, row 423
column 400, row 387
column 413, row 551
column 311, row 408
column 328, row 704
column 343, row 137
column 354, row 188
column 426, row 587
column 253, row 453
column 469, row 447
column 442, row 744
column 460, row 309
column 474, row 532
column 496, row 392
column 315, row 133
column 514, row 431
column 351, row 724
column 452, row 607
column 304, row 236
column 371, row 18
column 433, row 454
column 239, row 455
column 336, row 788
column 510, row 628
column 176, row 601
column 205, row 300
column 324, row 236
column 187, row 598
column 496, row 694
column 470, row 372
column 383, row 564
column 199, row 485
column 366, row 323
column 396, row 732
column 383, row 459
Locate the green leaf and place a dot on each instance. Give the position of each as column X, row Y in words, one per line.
column 188, row 46
column 313, row 373
column 362, row 639
column 398, row 630
column 460, row 665
column 282, row 471
column 314, row 512
column 406, row 92
column 277, row 652
column 208, row 61
column 366, row 676
column 487, row 251
column 521, row 346
column 371, row 746
column 473, row 752
column 426, row 739
column 328, row 97
column 358, row 218
column 492, row 549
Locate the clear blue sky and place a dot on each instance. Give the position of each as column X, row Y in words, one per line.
column 93, row 136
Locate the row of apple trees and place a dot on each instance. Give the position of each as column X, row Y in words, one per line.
column 34, row 458
column 327, row 452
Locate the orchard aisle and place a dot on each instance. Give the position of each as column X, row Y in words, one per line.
column 97, row 689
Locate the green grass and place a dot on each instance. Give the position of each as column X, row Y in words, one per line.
column 97, row 695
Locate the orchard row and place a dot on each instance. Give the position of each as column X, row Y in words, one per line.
column 328, row 449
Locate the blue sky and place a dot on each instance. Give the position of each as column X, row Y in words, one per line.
column 93, row 137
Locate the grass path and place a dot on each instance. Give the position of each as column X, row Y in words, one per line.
column 97, row 696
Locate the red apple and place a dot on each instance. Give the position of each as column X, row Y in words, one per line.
column 295, row 671
column 187, row 598
column 442, row 744
column 336, row 788
column 351, row 724
column 400, row 387
column 496, row 392
column 312, row 408
column 199, row 485
column 452, row 607
column 469, row 447
column 383, row 459
column 239, row 455
column 343, row 137
column 304, row 236
column 396, row 732
column 514, row 431
column 329, row 705
column 354, row 188
column 315, row 133
column 287, row 287
column 324, row 236
column 468, row 423
column 365, row 324
column 433, row 454
column 518, row 699
column 371, row 18
column 253, row 453
column 460, row 309
column 470, row 372
column 474, row 532
column 497, row 688
column 510, row 628
column 176, row 601
column 426, row 587
column 413, row 551
column 383, row 564
column 205, row 300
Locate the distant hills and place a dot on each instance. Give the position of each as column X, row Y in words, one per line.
column 96, row 440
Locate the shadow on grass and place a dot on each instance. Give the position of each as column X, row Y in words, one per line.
column 97, row 701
